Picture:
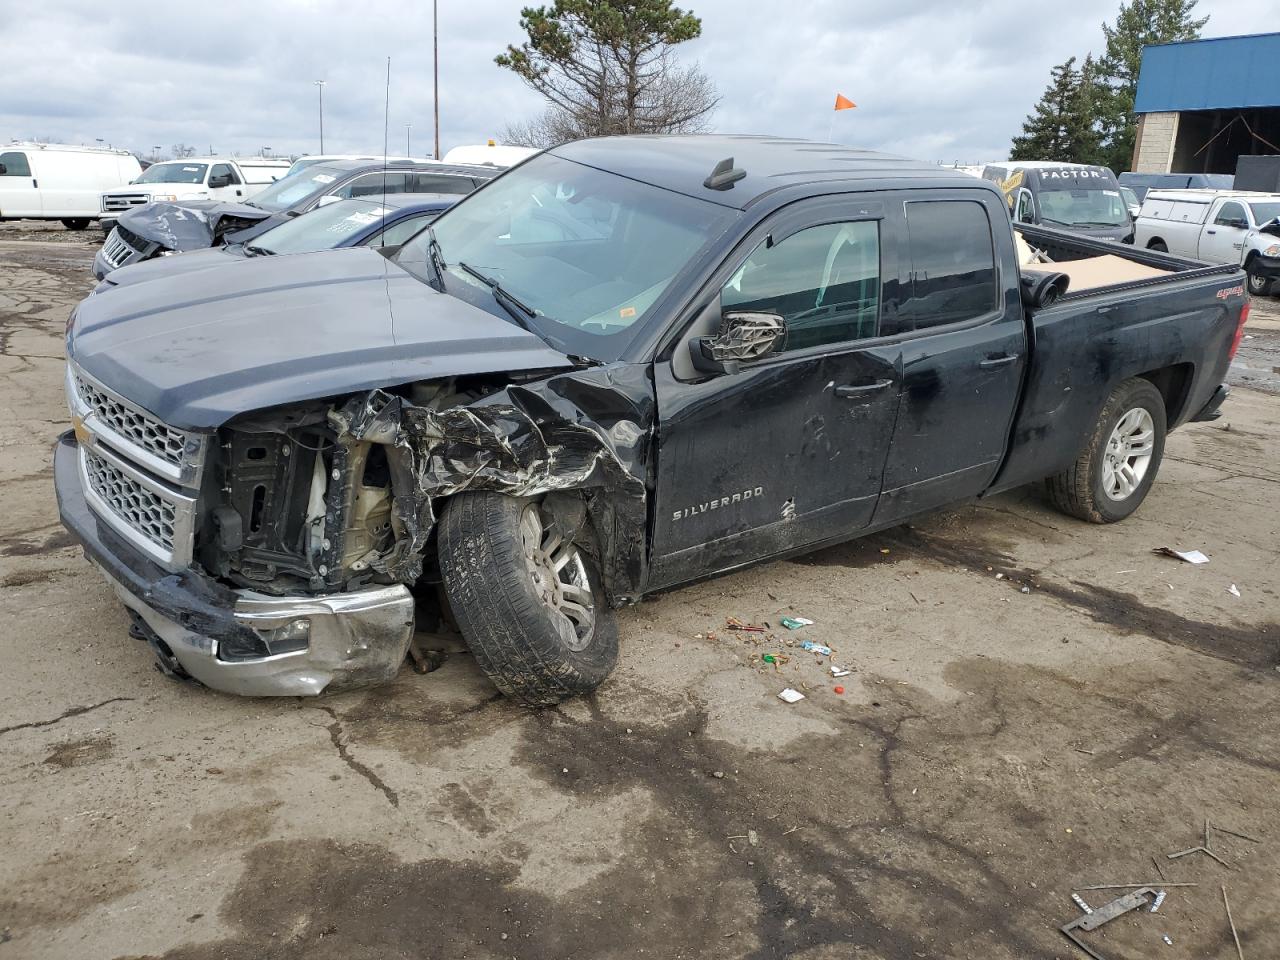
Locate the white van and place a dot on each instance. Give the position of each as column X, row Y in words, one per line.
column 232, row 179
column 490, row 154
column 53, row 181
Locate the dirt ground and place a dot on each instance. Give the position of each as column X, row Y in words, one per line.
column 1035, row 706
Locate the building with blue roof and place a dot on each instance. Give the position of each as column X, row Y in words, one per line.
column 1202, row 104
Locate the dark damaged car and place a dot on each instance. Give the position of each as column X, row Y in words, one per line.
column 625, row 365
column 168, row 227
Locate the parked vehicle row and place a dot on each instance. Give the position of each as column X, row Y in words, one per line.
column 623, row 365
column 204, row 178
column 1140, row 183
column 1242, row 229
column 165, row 227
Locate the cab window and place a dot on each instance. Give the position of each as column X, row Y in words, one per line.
column 224, row 170
column 375, row 184
column 823, row 281
column 1231, row 215
column 15, row 164
column 953, row 262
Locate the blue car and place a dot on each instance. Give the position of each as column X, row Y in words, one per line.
column 359, row 222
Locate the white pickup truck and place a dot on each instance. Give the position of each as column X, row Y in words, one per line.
column 206, row 178
column 1219, row 226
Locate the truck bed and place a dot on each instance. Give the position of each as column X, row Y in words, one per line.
column 1098, row 266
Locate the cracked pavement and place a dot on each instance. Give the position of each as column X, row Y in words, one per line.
column 993, row 751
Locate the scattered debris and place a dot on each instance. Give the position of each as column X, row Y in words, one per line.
column 816, row 648
column 1242, row 836
column 839, row 671
column 1166, row 939
column 753, row 838
column 839, row 690
column 1234, row 936
column 1079, row 902
column 795, row 623
column 1190, row 556
column 1159, row 900
column 718, row 774
column 1200, row 849
column 1233, row 590
column 790, row 696
column 1104, row 913
column 733, row 623
column 1025, row 589
column 1127, row 886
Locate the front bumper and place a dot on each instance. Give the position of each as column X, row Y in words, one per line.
column 358, row 638
column 1266, row 267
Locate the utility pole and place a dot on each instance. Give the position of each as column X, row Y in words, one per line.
column 407, row 128
column 435, row 68
column 320, row 86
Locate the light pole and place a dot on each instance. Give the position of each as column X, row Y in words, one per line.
column 407, row 128
column 435, row 70
column 320, row 86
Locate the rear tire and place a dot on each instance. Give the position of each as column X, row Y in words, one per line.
column 76, row 223
column 528, row 603
column 1120, row 460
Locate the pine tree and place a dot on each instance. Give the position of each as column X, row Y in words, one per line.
column 1061, row 126
column 1139, row 24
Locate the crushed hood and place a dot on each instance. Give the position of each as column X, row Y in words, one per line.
column 189, row 224
column 196, row 350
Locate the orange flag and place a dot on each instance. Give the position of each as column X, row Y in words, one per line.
column 844, row 103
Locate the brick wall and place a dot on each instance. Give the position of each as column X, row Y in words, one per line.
column 1153, row 150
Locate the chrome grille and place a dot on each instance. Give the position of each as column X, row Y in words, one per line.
column 114, row 250
column 123, row 201
column 144, row 510
column 164, row 450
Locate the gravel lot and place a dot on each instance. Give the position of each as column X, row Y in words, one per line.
column 993, row 750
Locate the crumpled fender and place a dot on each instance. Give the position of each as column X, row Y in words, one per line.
column 191, row 224
column 584, row 431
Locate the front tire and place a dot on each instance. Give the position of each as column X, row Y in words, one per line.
column 76, row 223
column 527, row 600
column 1260, row 286
column 1119, row 462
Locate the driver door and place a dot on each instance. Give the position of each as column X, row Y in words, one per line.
column 788, row 450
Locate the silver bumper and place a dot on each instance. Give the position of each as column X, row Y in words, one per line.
column 356, row 639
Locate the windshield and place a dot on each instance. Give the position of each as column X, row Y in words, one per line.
column 174, row 173
column 1083, row 208
column 288, row 191
column 1265, row 212
column 588, row 251
column 302, row 163
column 322, row 229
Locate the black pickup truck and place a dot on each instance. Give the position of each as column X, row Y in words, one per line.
column 623, row 365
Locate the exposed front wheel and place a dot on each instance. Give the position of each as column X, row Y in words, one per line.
column 1119, row 462
column 76, row 223
column 526, row 596
column 1259, row 285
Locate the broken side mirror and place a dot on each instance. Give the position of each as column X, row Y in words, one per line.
column 743, row 338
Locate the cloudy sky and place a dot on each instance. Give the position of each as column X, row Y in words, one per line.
column 945, row 81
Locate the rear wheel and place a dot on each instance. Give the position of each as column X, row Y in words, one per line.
column 526, row 597
column 76, row 223
column 1119, row 462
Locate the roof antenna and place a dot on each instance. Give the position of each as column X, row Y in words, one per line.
column 724, row 176
column 386, row 123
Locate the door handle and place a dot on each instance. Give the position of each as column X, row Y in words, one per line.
column 992, row 362
column 861, row 389
column 1211, row 232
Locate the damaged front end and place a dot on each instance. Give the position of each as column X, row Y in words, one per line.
column 311, row 507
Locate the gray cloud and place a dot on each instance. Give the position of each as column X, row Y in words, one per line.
column 934, row 80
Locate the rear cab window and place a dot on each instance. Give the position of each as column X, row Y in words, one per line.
column 953, row 263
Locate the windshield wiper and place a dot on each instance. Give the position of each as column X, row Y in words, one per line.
column 520, row 312
column 435, row 257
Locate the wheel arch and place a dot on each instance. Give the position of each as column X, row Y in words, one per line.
column 1174, row 384
column 1151, row 243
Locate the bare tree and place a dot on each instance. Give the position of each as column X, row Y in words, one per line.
column 181, row 151
column 606, row 67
